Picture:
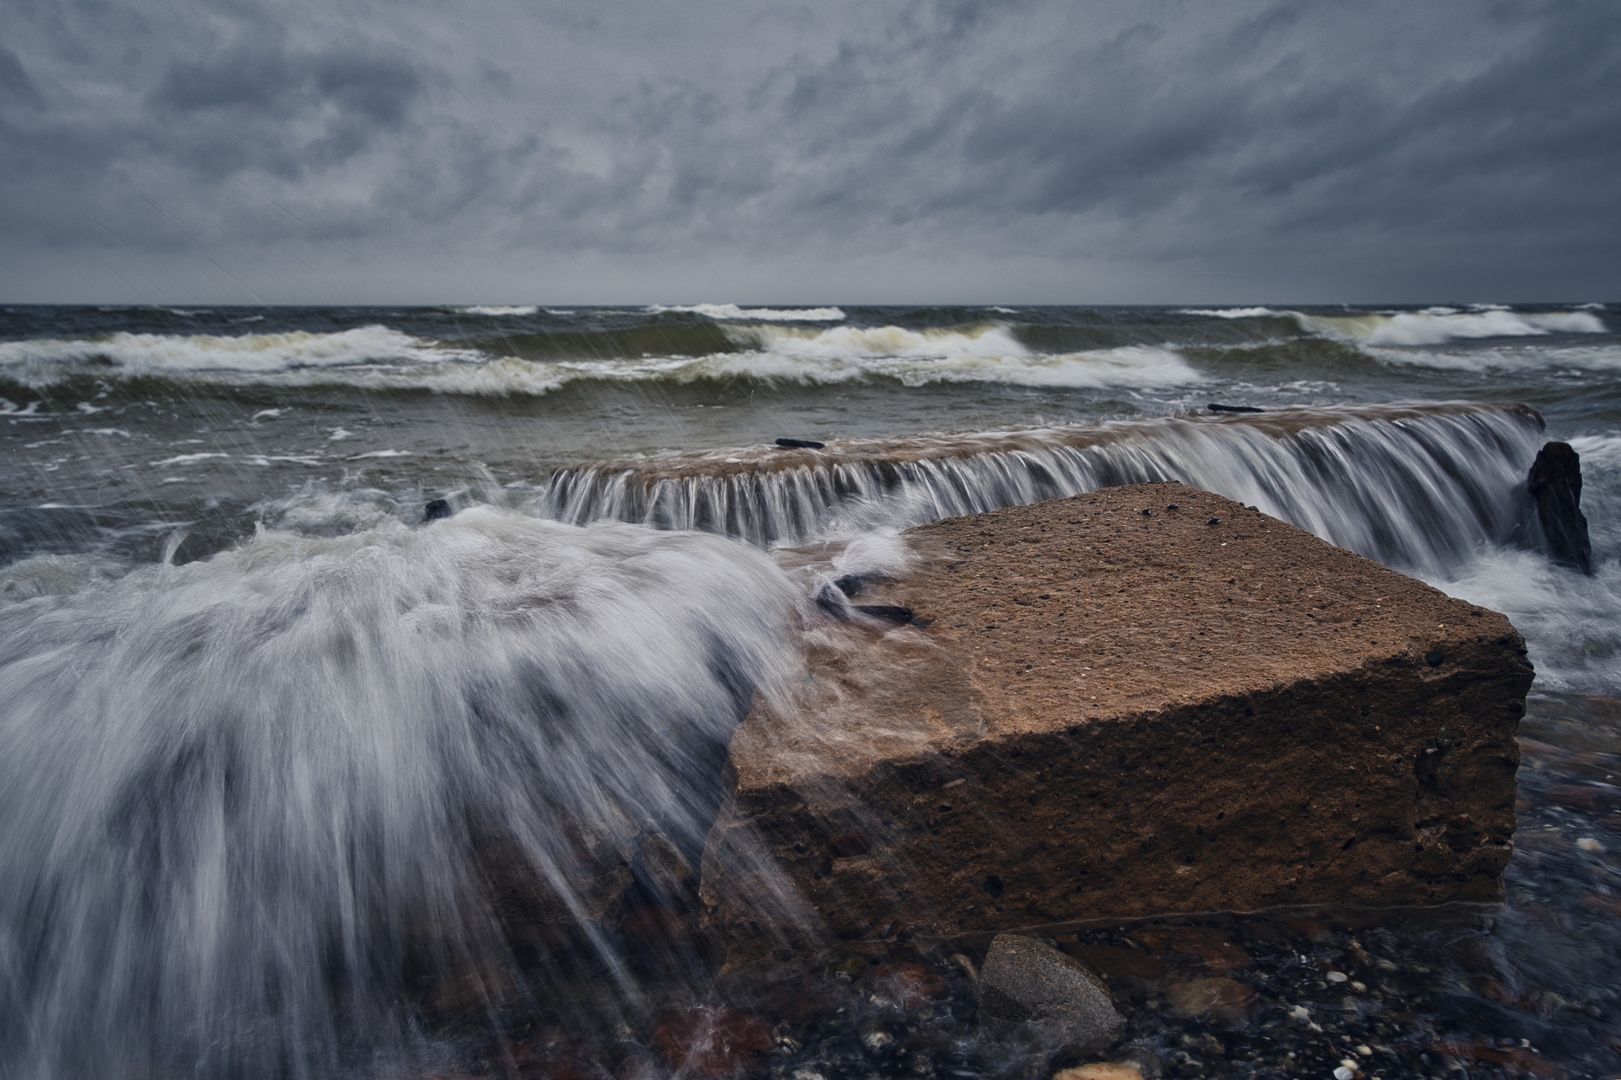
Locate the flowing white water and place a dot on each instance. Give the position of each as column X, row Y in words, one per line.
column 262, row 809
column 254, row 804
column 1421, row 489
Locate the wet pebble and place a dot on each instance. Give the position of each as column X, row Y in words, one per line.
column 1218, row 998
column 1101, row 1071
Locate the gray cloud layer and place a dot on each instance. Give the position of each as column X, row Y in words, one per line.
column 172, row 150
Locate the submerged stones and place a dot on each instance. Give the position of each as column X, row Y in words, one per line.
column 1097, row 714
column 1025, row 981
column 1555, row 483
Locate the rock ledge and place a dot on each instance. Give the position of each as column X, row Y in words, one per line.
column 1139, row 701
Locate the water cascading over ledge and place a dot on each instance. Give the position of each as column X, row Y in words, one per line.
column 1415, row 486
column 290, row 810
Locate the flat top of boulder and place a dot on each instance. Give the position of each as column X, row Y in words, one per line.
column 1095, row 608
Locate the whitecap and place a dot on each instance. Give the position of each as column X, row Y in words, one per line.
column 185, row 459
column 1128, row 366
column 1438, row 326
column 498, row 310
column 988, row 340
column 723, row 312
column 1230, row 313
column 40, row 361
column 1542, row 357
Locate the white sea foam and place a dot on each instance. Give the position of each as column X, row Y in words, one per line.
column 41, row 361
column 1230, row 313
column 1130, row 366
column 497, row 310
column 54, row 575
column 1542, row 357
column 185, row 459
column 855, row 342
column 1437, row 326
column 1572, row 623
column 377, row 358
column 1604, row 450
column 254, row 770
column 724, row 312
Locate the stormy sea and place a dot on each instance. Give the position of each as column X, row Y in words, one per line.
column 316, row 621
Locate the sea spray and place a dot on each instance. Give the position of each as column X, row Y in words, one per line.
column 243, row 796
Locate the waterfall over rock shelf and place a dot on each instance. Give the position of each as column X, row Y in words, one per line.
column 1418, row 487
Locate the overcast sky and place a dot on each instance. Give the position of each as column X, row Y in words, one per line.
column 498, row 151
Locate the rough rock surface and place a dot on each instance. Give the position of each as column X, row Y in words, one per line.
column 1139, row 701
column 1026, row 981
column 1555, row 484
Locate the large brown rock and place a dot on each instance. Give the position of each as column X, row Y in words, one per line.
column 1143, row 700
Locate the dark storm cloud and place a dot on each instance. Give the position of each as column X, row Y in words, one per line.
column 1303, row 149
column 16, row 88
column 285, row 113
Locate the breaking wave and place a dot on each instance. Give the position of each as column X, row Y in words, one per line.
column 725, row 312
column 497, row 310
column 1437, row 326
column 252, row 354
column 377, row 358
column 1231, row 313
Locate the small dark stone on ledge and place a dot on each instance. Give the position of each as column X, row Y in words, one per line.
column 438, row 508
column 801, row 444
column 1215, row 408
column 888, row 612
column 850, row 584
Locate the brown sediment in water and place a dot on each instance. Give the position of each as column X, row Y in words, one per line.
column 1138, row 701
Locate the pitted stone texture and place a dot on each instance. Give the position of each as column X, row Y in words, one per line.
column 1025, row 981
